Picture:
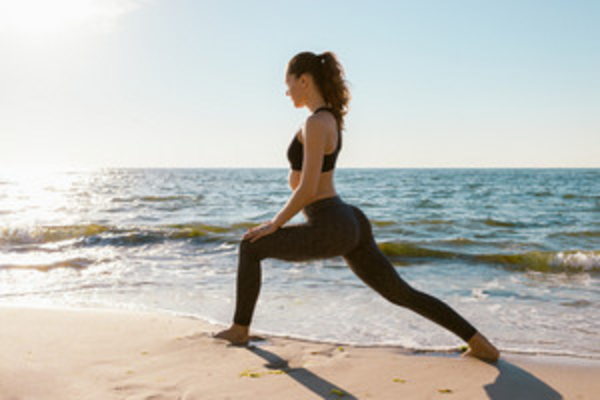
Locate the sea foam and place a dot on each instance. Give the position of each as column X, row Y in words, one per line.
column 587, row 261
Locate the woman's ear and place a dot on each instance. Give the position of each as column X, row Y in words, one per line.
column 304, row 80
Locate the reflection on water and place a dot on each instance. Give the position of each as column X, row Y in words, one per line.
column 515, row 251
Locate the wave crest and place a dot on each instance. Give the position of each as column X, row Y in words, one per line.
column 99, row 234
column 74, row 263
column 551, row 262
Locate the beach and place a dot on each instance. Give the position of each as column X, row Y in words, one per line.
column 57, row 353
column 442, row 159
column 522, row 265
column 113, row 281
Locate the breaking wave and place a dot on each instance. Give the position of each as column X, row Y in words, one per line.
column 567, row 261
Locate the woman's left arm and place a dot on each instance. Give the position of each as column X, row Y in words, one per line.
column 313, row 134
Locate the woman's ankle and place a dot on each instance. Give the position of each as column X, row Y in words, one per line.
column 480, row 347
column 241, row 329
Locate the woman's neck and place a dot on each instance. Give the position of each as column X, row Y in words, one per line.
column 315, row 103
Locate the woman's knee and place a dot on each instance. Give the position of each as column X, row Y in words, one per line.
column 406, row 296
column 248, row 249
column 395, row 290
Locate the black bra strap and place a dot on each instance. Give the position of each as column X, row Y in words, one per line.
column 323, row 108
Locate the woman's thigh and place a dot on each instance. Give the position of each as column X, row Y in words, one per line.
column 334, row 235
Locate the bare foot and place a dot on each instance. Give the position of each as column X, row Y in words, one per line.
column 237, row 335
column 481, row 348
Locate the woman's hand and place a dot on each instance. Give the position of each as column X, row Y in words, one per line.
column 264, row 229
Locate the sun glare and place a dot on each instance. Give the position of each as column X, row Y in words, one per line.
column 36, row 17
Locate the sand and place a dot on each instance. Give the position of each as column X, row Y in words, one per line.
column 63, row 354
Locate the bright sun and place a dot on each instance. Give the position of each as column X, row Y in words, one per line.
column 36, row 17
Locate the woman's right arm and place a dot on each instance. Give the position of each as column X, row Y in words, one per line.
column 294, row 179
column 306, row 189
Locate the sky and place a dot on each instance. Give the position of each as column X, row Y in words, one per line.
column 175, row 83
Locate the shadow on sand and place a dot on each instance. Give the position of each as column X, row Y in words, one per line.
column 512, row 383
column 515, row 383
column 314, row 383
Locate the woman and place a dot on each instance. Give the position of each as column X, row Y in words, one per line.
column 332, row 227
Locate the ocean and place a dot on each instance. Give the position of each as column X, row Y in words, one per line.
column 516, row 251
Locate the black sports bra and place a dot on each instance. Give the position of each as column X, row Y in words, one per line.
column 295, row 152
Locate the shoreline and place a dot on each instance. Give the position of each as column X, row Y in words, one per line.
column 444, row 352
column 454, row 351
column 81, row 353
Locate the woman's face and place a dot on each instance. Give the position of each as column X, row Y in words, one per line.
column 295, row 89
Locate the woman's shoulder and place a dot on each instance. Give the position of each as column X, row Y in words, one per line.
column 321, row 129
column 321, row 120
column 316, row 125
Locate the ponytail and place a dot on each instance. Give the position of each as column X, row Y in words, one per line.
column 329, row 77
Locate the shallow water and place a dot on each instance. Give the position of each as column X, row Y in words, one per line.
column 515, row 251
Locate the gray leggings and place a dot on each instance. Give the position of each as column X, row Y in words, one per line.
column 334, row 228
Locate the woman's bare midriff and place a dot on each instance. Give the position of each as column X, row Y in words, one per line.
column 325, row 188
